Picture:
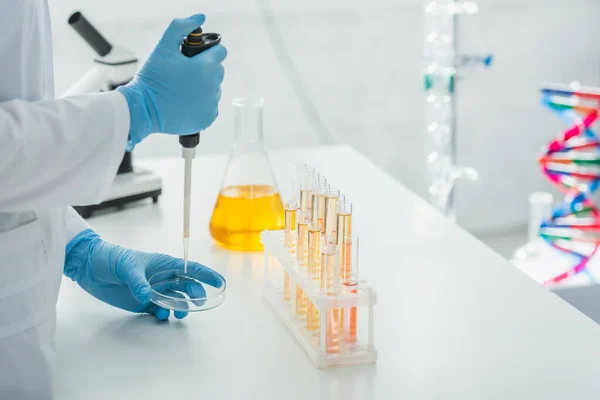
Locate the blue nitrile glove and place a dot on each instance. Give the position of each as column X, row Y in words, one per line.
column 173, row 93
column 119, row 276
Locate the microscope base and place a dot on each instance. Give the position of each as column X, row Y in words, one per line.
column 127, row 188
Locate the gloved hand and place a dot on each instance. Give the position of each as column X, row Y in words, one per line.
column 173, row 93
column 119, row 276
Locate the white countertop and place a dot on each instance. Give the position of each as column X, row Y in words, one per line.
column 454, row 320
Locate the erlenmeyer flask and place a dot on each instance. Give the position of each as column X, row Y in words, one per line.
column 249, row 200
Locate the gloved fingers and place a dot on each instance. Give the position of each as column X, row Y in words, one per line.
column 204, row 274
column 213, row 56
column 137, row 283
column 181, row 27
column 163, row 262
column 183, row 304
column 196, row 291
column 219, row 73
column 162, row 314
column 187, row 290
column 180, row 314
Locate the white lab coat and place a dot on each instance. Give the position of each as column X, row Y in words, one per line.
column 53, row 153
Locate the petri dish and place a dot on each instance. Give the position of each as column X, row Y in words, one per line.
column 189, row 291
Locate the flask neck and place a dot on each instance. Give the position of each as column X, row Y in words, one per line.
column 248, row 119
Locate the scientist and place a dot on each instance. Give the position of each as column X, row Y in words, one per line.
column 60, row 152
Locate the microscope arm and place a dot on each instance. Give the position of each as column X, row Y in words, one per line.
column 92, row 81
column 114, row 66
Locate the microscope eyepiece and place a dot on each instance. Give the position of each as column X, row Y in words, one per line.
column 87, row 31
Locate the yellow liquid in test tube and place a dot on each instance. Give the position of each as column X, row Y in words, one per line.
column 314, row 271
column 242, row 213
column 290, row 243
column 331, row 217
column 344, row 230
column 332, row 316
column 321, row 207
column 305, row 200
column 302, row 256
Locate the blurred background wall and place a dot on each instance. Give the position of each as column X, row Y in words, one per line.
column 349, row 71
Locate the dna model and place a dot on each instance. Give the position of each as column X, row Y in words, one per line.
column 572, row 163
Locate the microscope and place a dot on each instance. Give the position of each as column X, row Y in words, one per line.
column 113, row 67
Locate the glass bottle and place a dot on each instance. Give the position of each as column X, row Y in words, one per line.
column 249, row 200
column 540, row 210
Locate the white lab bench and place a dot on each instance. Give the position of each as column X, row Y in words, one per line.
column 453, row 321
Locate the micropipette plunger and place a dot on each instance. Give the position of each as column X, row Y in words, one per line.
column 195, row 43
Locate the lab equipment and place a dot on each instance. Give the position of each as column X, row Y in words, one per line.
column 349, row 270
column 321, row 292
column 114, row 66
column 290, row 226
column 442, row 63
column 118, row 276
column 571, row 163
column 314, row 272
column 193, row 44
column 249, row 201
column 344, row 221
column 540, row 209
column 323, row 189
column 315, row 233
column 325, row 349
column 184, row 290
column 168, row 85
column 302, row 249
column 297, row 171
column 331, row 286
column 331, row 205
column 343, row 236
column 307, row 177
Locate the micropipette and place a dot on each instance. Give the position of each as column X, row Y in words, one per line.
column 188, row 143
column 195, row 43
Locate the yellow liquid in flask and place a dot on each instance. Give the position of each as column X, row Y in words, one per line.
column 242, row 213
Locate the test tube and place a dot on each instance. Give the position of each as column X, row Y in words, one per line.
column 330, row 285
column 314, row 272
column 344, row 230
column 290, row 231
column 349, row 266
column 314, row 197
column 306, row 187
column 297, row 170
column 344, row 220
column 314, row 257
column 303, row 219
column 331, row 202
column 323, row 189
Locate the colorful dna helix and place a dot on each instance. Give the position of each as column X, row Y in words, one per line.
column 572, row 163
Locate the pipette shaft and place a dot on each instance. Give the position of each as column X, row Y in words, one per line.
column 188, row 154
column 187, row 188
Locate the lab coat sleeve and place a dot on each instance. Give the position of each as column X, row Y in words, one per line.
column 74, row 224
column 60, row 152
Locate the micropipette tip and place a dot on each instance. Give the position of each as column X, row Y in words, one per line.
column 186, row 243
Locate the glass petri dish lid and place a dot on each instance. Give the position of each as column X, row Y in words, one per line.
column 190, row 291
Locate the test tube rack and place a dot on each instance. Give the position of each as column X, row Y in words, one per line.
column 278, row 258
